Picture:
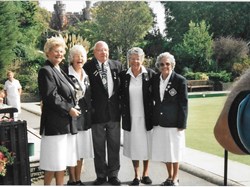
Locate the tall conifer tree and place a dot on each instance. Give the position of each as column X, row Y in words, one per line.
column 9, row 33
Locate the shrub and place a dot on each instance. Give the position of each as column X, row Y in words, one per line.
column 214, row 76
column 196, row 48
column 222, row 76
column 240, row 67
column 228, row 50
column 196, row 76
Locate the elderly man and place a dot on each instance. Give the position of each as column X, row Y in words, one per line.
column 104, row 81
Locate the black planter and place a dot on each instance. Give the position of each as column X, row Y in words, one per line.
column 13, row 135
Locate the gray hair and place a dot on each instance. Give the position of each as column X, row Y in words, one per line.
column 167, row 55
column 101, row 42
column 136, row 50
column 77, row 49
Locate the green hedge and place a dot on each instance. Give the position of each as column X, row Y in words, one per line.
column 222, row 76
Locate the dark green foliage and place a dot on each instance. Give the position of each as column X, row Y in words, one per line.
column 155, row 44
column 27, row 73
column 122, row 25
column 225, row 18
column 222, row 76
column 195, row 51
column 9, row 33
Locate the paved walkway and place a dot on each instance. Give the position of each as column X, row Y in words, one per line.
column 200, row 164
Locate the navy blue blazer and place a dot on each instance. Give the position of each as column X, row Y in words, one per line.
column 58, row 98
column 147, row 99
column 83, row 121
column 104, row 109
column 172, row 111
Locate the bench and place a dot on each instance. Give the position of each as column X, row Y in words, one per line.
column 200, row 84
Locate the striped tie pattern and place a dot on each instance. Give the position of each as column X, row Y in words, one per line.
column 104, row 76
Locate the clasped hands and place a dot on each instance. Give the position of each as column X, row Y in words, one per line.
column 74, row 112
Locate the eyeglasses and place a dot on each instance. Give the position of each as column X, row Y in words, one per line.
column 164, row 64
column 58, row 51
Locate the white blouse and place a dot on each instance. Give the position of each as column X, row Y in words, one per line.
column 163, row 85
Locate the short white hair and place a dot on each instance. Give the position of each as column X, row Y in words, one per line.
column 167, row 55
column 77, row 49
column 101, row 43
column 136, row 50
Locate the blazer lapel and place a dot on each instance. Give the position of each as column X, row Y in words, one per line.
column 127, row 83
column 145, row 82
column 157, row 87
column 97, row 75
column 115, row 75
column 65, row 79
column 169, row 90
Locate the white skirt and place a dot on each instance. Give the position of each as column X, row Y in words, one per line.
column 137, row 142
column 57, row 152
column 168, row 144
column 84, row 144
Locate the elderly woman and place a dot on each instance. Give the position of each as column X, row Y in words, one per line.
column 137, row 105
column 58, row 102
column 77, row 58
column 169, row 116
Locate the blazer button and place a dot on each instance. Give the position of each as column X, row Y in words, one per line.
column 86, row 110
column 161, row 113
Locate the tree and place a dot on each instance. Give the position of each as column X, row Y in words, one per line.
column 9, row 34
column 122, row 24
column 155, row 43
column 225, row 18
column 33, row 23
column 196, row 49
column 229, row 50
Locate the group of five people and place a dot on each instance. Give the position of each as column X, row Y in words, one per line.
column 82, row 108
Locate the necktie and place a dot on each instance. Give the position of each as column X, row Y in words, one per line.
column 104, row 76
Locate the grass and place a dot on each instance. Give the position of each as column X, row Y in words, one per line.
column 202, row 116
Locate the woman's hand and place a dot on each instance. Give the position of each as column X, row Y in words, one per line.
column 74, row 112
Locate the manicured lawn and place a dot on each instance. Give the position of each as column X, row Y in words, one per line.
column 202, row 116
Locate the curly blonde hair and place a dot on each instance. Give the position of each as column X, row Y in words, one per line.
column 53, row 42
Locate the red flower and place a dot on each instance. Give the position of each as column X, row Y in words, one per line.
column 1, row 156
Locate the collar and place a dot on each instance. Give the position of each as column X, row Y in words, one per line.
column 58, row 68
column 106, row 64
column 143, row 70
column 167, row 79
column 75, row 74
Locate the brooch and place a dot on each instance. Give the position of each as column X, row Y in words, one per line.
column 172, row 92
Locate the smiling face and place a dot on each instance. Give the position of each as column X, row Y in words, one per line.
column 135, row 62
column 101, row 52
column 56, row 55
column 78, row 61
column 165, row 66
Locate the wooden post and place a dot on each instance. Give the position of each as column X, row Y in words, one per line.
column 225, row 166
